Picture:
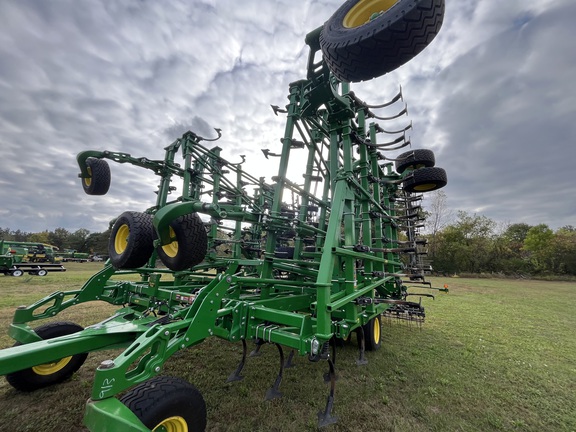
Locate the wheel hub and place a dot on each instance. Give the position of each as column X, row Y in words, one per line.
column 366, row 11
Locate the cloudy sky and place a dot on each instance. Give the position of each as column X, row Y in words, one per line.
column 494, row 96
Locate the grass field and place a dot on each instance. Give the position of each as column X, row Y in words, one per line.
column 494, row 355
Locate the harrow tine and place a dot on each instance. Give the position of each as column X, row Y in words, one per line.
column 235, row 376
column 326, row 418
column 274, row 392
column 362, row 347
column 256, row 351
column 289, row 364
column 328, row 375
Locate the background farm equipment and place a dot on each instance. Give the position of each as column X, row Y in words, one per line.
column 30, row 251
column 71, row 255
column 299, row 263
column 15, row 259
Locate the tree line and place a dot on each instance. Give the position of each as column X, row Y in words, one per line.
column 457, row 243
column 80, row 240
column 472, row 243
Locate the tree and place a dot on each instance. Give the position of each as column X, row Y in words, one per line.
column 538, row 243
column 41, row 237
column 438, row 216
column 97, row 243
column 564, row 247
column 77, row 240
column 466, row 245
column 59, row 238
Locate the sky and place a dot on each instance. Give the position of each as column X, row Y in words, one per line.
column 493, row 96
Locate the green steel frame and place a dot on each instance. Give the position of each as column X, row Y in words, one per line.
column 294, row 263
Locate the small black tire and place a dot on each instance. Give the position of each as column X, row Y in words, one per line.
column 48, row 374
column 99, row 181
column 284, row 252
column 373, row 334
column 167, row 402
column 16, row 273
column 41, row 272
column 131, row 240
column 189, row 246
column 425, row 180
column 367, row 39
column 415, row 159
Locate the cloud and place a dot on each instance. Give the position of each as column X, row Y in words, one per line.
column 492, row 96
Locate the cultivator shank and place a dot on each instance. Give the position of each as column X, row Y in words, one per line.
column 296, row 262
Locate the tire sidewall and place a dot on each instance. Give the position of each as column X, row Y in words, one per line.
column 191, row 250
column 337, row 33
column 29, row 380
column 140, row 241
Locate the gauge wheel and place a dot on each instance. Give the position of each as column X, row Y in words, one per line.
column 373, row 334
column 365, row 39
column 189, row 243
column 47, row 374
column 99, row 181
column 131, row 241
column 415, row 159
column 167, row 404
column 425, row 180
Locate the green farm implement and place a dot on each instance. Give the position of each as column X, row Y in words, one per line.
column 300, row 263
column 17, row 258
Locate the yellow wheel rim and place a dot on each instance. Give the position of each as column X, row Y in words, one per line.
column 121, row 239
column 172, row 424
column 425, row 187
column 376, row 332
column 51, row 368
column 88, row 181
column 365, row 11
column 171, row 249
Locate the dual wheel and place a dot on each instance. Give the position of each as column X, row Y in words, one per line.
column 421, row 174
column 132, row 242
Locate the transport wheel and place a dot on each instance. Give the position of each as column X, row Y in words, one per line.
column 41, row 272
column 365, row 39
column 415, row 159
column 189, row 246
column 425, row 180
column 49, row 373
column 17, row 273
column 373, row 334
column 99, row 181
column 132, row 240
column 167, row 404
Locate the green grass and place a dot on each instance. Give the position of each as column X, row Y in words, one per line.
column 494, row 355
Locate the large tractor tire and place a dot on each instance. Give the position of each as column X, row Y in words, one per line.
column 189, row 246
column 365, row 39
column 48, row 374
column 167, row 404
column 415, row 159
column 425, row 180
column 99, row 181
column 131, row 241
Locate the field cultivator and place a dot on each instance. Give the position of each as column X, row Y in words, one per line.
column 298, row 263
